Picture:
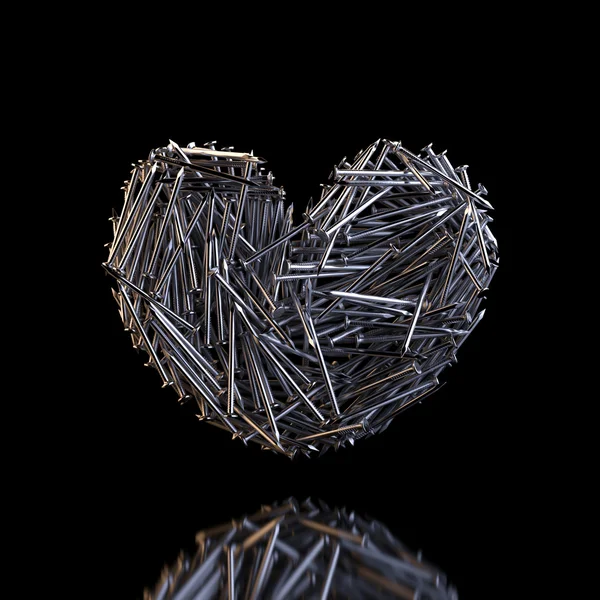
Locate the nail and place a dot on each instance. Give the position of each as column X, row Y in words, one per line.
column 471, row 273
column 457, row 246
column 353, row 214
column 238, row 217
column 126, row 221
column 335, row 553
column 265, row 390
column 231, row 572
column 295, row 575
column 265, row 562
column 336, row 532
column 413, row 321
column 149, row 347
column 278, row 242
column 232, row 362
column 165, row 221
column 331, row 432
column 462, row 173
column 259, row 285
column 322, row 364
column 369, row 298
column 207, row 291
column 415, row 172
column 214, row 175
column 115, row 273
column 379, row 380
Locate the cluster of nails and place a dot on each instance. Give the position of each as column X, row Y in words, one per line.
column 301, row 551
column 301, row 337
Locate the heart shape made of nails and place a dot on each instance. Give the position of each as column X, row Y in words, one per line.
column 301, row 337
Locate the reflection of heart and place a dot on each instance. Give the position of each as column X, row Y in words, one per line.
column 307, row 336
column 301, row 550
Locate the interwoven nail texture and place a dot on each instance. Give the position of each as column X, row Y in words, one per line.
column 301, row 335
column 301, row 551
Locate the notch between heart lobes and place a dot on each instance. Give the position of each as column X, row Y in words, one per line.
column 301, row 337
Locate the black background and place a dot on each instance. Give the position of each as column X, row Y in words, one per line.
column 446, row 477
